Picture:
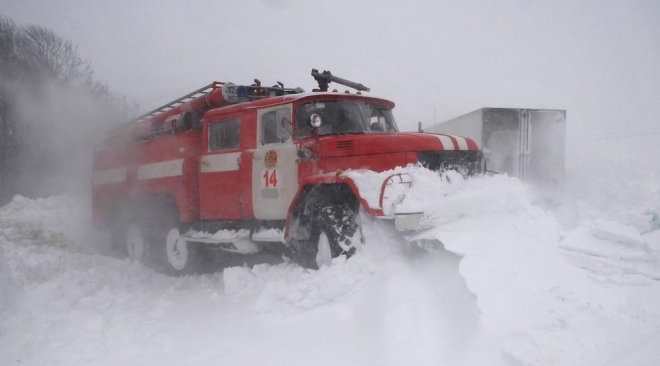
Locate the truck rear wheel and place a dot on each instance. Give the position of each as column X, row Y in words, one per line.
column 118, row 231
column 161, row 247
column 153, row 238
column 136, row 247
column 182, row 257
column 172, row 254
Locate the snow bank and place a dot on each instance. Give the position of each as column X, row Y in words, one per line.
column 7, row 287
column 545, row 293
column 287, row 289
column 62, row 221
column 512, row 287
column 79, row 308
column 614, row 253
column 74, row 308
column 547, row 310
column 613, row 231
column 550, row 300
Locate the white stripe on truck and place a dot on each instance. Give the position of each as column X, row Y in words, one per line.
column 220, row 162
column 446, row 142
column 163, row 169
column 462, row 143
column 109, row 176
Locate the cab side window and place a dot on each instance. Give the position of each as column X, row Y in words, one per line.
column 275, row 126
column 223, row 135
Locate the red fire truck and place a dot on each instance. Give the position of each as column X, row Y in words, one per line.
column 243, row 168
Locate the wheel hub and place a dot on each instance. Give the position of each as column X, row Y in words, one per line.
column 177, row 250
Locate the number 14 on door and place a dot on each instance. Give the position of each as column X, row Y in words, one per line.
column 269, row 179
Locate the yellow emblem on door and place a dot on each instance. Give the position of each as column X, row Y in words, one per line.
column 270, row 159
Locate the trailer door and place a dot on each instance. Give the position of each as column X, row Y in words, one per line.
column 503, row 140
column 546, row 144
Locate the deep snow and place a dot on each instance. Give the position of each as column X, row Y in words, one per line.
column 517, row 283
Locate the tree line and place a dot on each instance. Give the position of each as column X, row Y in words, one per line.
column 52, row 112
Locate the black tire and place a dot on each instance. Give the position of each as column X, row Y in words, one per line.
column 335, row 231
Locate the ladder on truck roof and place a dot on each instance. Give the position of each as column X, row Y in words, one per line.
column 244, row 93
column 177, row 102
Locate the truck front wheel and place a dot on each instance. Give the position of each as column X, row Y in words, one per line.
column 334, row 232
column 323, row 251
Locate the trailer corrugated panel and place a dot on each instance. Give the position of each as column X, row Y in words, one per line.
column 524, row 143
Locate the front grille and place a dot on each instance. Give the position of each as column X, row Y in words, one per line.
column 466, row 162
column 344, row 145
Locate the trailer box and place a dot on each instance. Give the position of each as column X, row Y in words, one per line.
column 524, row 143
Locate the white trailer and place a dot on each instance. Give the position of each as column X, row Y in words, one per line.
column 524, row 143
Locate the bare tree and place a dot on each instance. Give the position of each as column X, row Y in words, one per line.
column 52, row 55
column 8, row 39
column 9, row 67
column 48, row 97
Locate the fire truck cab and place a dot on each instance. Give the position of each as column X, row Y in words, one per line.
column 243, row 168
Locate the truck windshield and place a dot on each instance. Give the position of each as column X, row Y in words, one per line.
column 344, row 117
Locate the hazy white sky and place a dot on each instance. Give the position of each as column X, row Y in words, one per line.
column 597, row 59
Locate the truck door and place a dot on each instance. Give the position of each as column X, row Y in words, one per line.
column 219, row 193
column 275, row 167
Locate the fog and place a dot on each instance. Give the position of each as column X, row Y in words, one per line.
column 436, row 60
column 519, row 282
column 63, row 127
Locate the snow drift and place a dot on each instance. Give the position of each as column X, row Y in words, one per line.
column 509, row 285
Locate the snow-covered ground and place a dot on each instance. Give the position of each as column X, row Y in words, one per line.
column 516, row 283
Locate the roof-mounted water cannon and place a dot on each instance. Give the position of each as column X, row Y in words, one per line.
column 325, row 78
